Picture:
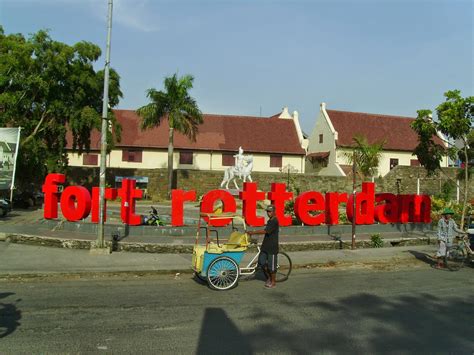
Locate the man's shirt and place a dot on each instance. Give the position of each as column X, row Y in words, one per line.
column 270, row 241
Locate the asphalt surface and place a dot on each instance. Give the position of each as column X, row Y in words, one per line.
column 406, row 310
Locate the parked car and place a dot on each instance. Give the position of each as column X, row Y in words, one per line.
column 5, row 207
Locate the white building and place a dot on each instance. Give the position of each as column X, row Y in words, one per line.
column 333, row 134
column 274, row 142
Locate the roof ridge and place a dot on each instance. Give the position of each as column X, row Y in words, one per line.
column 371, row 114
column 227, row 115
column 206, row 114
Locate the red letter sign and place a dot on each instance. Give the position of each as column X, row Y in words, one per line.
column 307, row 202
column 279, row 195
column 128, row 194
column 75, row 203
column 110, row 194
column 177, row 205
column 250, row 196
column 228, row 205
column 51, row 195
column 364, row 213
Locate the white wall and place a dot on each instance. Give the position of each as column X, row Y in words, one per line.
column 324, row 127
column 404, row 159
column 201, row 161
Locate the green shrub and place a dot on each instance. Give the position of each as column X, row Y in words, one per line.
column 447, row 190
column 376, row 241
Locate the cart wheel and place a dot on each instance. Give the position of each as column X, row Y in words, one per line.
column 284, row 267
column 454, row 258
column 223, row 273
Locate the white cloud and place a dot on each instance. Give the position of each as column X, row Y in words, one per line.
column 134, row 14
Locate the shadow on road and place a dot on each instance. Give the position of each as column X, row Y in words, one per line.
column 219, row 335
column 364, row 323
column 426, row 258
column 9, row 316
column 118, row 236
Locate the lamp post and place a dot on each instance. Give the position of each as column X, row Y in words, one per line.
column 354, row 205
column 100, row 243
column 288, row 168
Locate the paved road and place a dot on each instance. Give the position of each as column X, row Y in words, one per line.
column 411, row 310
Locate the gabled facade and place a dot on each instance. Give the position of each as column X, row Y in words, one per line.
column 333, row 133
column 274, row 142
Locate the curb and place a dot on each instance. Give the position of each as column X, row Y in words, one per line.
column 188, row 248
column 188, row 271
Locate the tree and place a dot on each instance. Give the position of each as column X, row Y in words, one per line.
column 48, row 87
column 179, row 107
column 365, row 156
column 455, row 119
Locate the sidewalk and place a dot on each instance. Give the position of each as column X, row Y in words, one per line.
column 29, row 227
column 26, row 261
column 26, row 240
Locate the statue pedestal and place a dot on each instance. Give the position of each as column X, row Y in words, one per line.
column 233, row 192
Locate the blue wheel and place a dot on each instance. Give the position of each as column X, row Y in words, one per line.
column 223, row 274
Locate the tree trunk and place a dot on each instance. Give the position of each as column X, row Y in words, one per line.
column 170, row 161
column 466, row 185
column 35, row 131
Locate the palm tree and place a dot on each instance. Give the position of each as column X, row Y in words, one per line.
column 365, row 156
column 179, row 107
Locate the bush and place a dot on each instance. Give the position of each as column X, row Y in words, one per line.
column 447, row 190
column 376, row 241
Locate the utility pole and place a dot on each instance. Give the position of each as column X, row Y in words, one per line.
column 100, row 243
column 354, row 200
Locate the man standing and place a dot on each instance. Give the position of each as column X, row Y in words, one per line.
column 447, row 230
column 269, row 251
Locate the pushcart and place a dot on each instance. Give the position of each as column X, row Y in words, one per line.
column 217, row 260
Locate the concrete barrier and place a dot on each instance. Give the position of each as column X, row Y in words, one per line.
column 190, row 231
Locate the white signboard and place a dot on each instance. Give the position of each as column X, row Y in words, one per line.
column 9, row 141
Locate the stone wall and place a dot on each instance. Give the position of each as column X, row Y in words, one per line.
column 402, row 179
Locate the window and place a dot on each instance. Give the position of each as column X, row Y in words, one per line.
column 320, row 138
column 393, row 163
column 228, row 159
column 186, row 158
column 414, row 162
column 132, row 155
column 275, row 161
column 90, row 159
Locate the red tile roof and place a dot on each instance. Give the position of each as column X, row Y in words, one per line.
column 217, row 133
column 395, row 130
column 318, row 155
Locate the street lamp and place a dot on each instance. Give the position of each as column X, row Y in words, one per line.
column 288, row 168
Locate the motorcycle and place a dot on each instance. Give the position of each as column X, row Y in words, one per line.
column 153, row 219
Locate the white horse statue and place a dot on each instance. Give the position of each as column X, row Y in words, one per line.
column 232, row 172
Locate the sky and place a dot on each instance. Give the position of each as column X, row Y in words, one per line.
column 253, row 57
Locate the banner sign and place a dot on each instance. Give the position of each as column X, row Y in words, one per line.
column 9, row 139
column 311, row 207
